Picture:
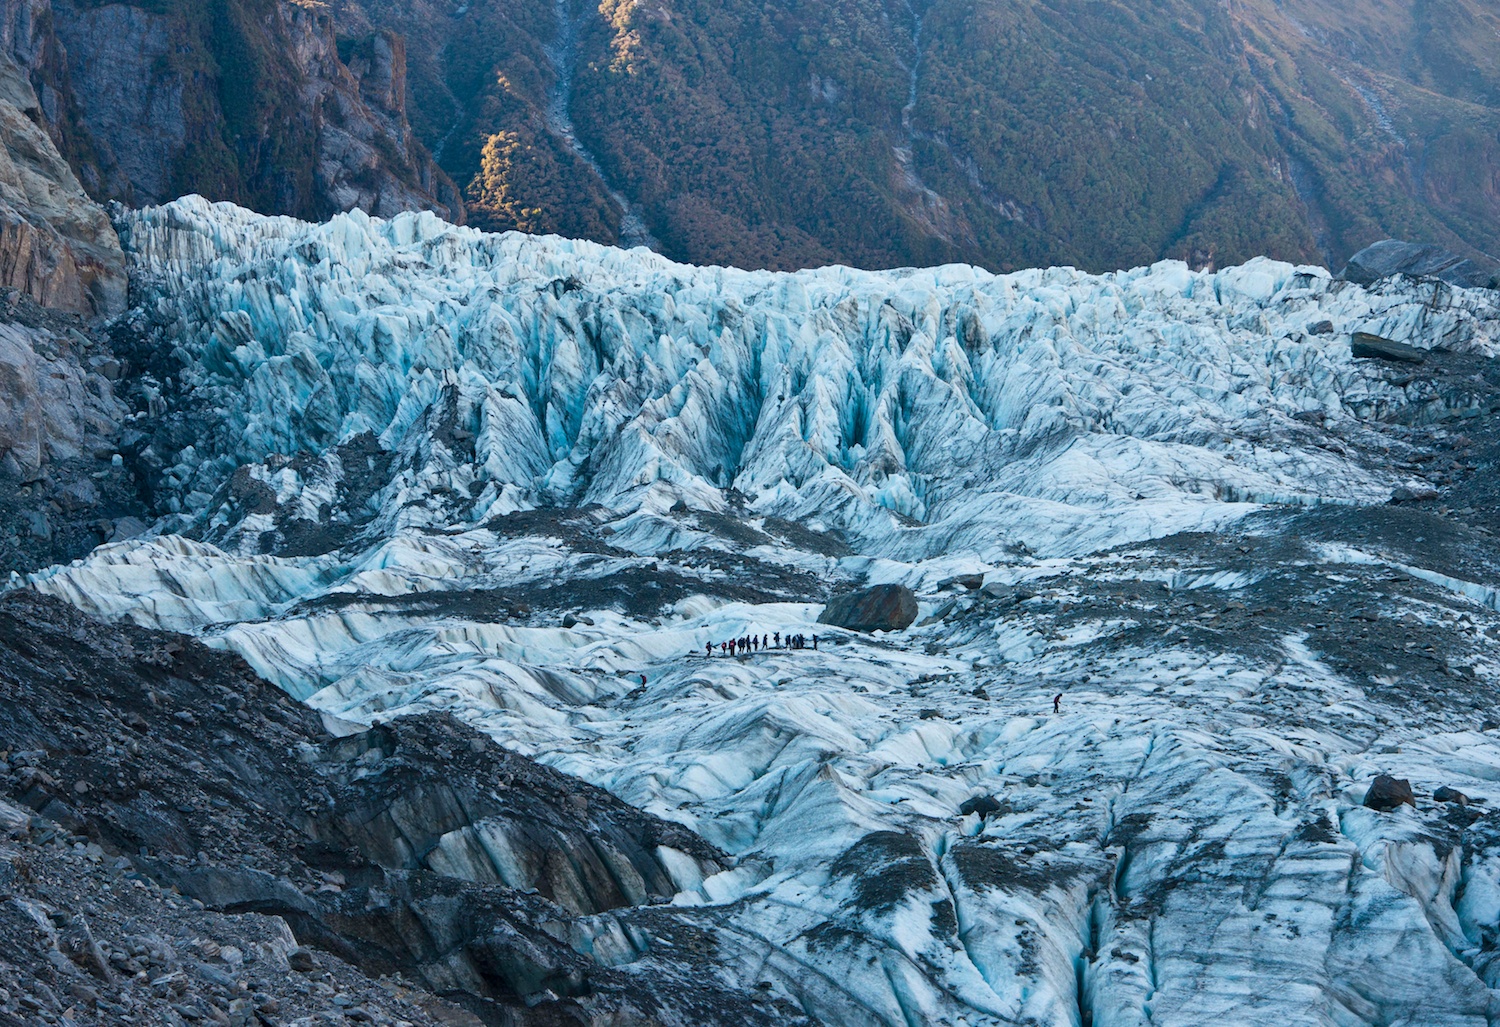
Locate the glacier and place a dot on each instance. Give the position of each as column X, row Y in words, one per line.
column 406, row 466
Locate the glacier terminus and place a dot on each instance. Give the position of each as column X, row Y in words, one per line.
column 402, row 467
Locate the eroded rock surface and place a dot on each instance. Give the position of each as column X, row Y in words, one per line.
column 247, row 100
column 1393, row 257
column 56, row 245
column 66, row 413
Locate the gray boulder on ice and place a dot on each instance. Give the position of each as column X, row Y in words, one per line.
column 881, row 608
column 1376, row 347
column 1393, row 257
column 984, row 805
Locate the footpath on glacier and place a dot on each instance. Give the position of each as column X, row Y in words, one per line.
column 402, row 468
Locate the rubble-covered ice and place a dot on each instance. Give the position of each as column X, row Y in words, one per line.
column 527, row 480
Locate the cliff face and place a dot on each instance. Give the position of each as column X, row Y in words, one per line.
column 56, row 246
column 244, row 100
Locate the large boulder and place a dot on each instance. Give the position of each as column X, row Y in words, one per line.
column 881, row 608
column 1387, row 793
column 1375, row 347
column 1393, row 257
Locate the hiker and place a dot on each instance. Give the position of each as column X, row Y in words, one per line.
column 778, row 640
column 709, row 649
column 731, row 647
column 1057, row 703
column 765, row 641
column 643, row 680
column 815, row 643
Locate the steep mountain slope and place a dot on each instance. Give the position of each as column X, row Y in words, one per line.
column 489, row 87
column 410, row 468
column 61, row 268
column 884, row 133
column 245, row 100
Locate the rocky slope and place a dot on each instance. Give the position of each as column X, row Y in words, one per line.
column 882, row 133
column 183, row 826
column 1190, row 574
column 61, row 421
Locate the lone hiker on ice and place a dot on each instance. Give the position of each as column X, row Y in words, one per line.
column 1057, row 703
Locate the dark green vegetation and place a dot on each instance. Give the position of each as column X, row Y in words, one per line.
column 785, row 133
column 480, row 84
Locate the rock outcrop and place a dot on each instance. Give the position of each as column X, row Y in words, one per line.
column 1367, row 346
column 67, row 476
column 56, row 245
column 247, row 100
column 367, row 155
column 62, row 484
column 881, row 608
column 1394, row 257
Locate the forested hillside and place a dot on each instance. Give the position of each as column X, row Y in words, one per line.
column 882, row 132
column 790, row 133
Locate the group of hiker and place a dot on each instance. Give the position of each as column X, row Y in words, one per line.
column 754, row 643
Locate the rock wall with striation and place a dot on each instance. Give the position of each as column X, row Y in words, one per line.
column 246, row 100
column 56, row 245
